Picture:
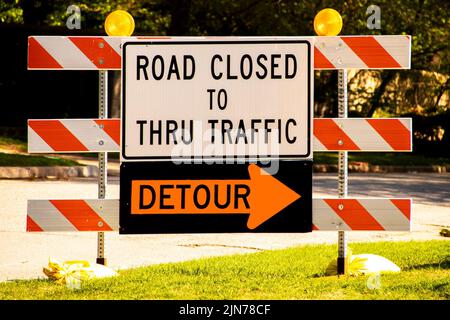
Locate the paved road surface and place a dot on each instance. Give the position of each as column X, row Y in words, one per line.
column 22, row 254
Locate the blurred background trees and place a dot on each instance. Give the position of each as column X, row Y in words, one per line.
column 422, row 92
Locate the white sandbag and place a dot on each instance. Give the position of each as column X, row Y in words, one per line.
column 375, row 263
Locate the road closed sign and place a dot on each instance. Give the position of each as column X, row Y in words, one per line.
column 240, row 98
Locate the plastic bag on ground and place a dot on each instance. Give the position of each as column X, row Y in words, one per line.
column 362, row 264
column 75, row 271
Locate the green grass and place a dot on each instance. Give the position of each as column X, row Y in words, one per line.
column 382, row 158
column 13, row 144
column 294, row 273
column 93, row 155
column 20, row 160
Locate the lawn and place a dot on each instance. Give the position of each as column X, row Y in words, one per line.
column 15, row 156
column 382, row 158
column 13, row 144
column 21, row 160
column 294, row 273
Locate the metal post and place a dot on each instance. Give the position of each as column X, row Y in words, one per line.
column 342, row 170
column 102, row 158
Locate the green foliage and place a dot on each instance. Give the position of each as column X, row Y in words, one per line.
column 12, row 144
column 294, row 273
column 424, row 90
column 94, row 13
column 10, row 12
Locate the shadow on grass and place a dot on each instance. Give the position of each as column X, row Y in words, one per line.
column 443, row 289
column 444, row 264
column 27, row 281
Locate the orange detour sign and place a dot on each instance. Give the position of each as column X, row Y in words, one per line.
column 240, row 198
column 254, row 196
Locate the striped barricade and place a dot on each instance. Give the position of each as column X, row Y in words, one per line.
column 104, row 53
column 357, row 134
column 73, row 135
column 328, row 215
column 362, row 214
column 94, row 135
column 98, row 135
column 362, row 52
column 73, row 215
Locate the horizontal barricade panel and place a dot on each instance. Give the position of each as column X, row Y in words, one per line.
column 104, row 53
column 359, row 214
column 330, row 134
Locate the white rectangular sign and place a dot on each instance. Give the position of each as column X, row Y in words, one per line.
column 241, row 98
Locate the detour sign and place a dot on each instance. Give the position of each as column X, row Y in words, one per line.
column 215, row 198
column 254, row 196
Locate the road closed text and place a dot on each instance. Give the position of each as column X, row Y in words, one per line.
column 217, row 131
column 222, row 131
column 262, row 66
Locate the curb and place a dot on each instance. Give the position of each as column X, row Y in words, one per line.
column 67, row 172
column 364, row 167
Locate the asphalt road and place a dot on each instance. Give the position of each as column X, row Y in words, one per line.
column 424, row 188
column 22, row 255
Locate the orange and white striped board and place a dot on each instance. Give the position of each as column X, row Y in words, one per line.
column 73, row 135
column 363, row 52
column 362, row 214
column 74, row 53
column 103, row 135
column 362, row 134
column 73, row 215
column 104, row 53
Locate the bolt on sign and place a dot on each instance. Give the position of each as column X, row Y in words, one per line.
column 200, row 119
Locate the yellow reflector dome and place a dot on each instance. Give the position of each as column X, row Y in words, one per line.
column 119, row 23
column 328, row 22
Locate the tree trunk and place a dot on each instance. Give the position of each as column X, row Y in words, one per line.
column 444, row 88
column 375, row 102
column 115, row 94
